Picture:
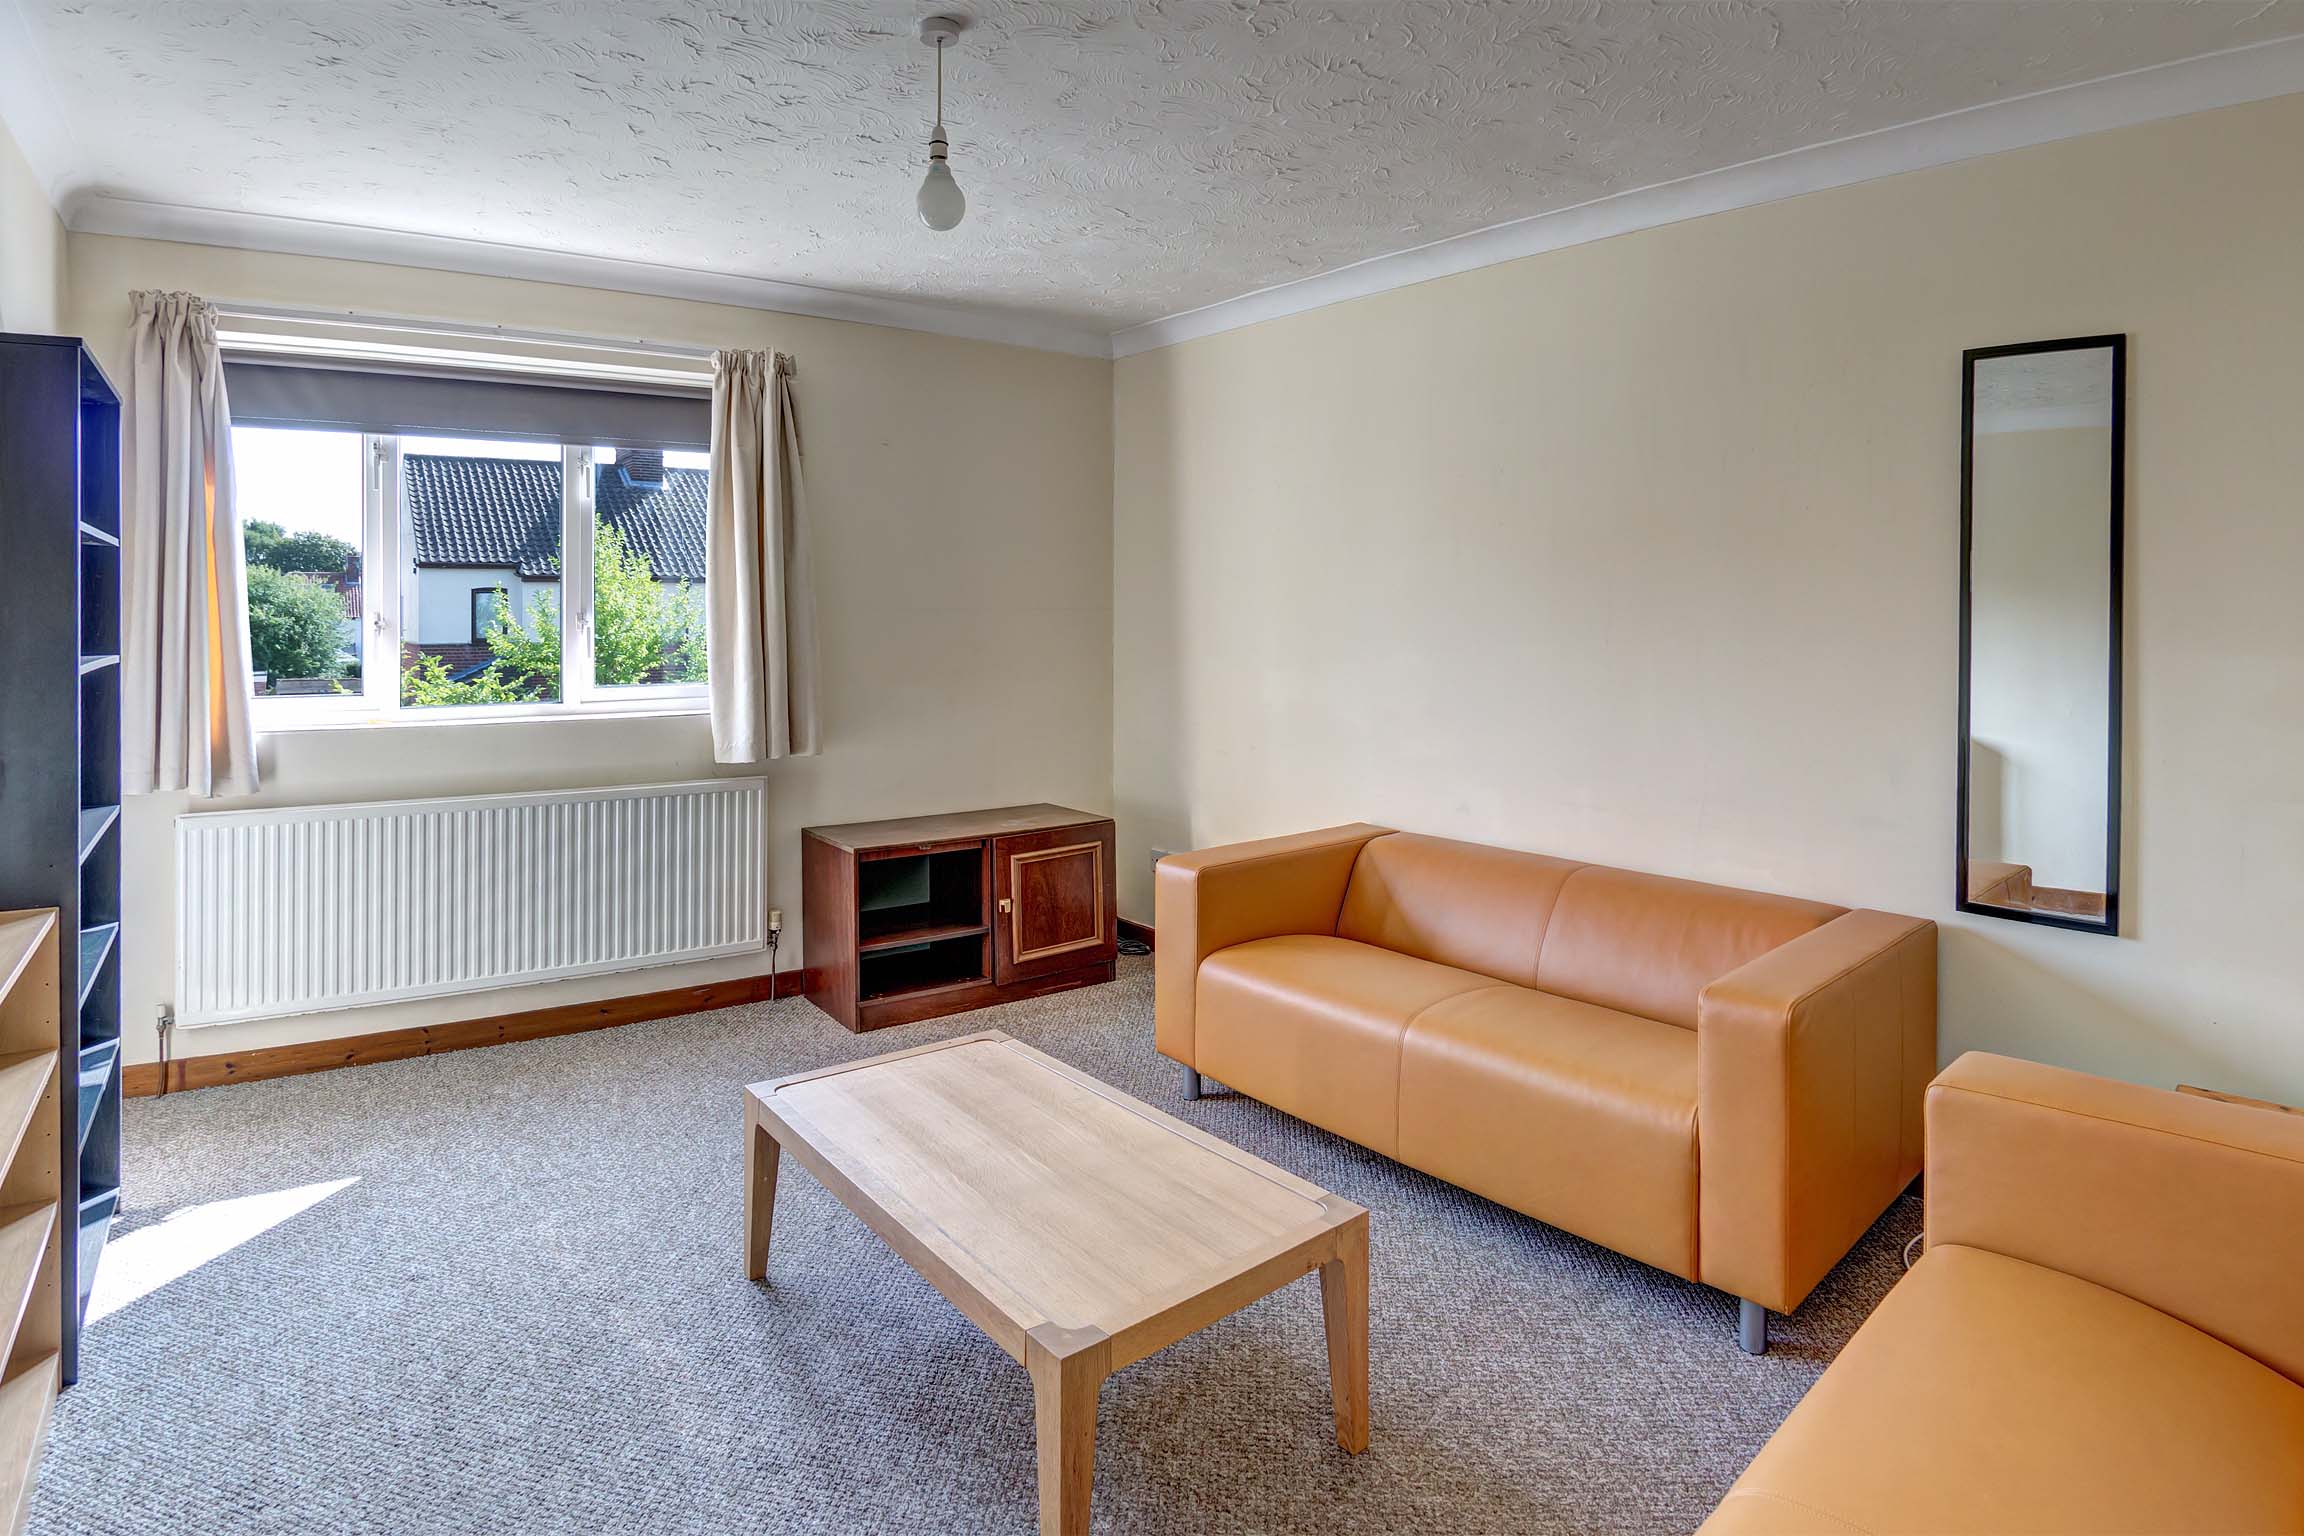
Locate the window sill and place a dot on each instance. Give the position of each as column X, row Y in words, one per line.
column 300, row 722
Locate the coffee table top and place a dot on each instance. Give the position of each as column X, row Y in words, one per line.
column 1036, row 1197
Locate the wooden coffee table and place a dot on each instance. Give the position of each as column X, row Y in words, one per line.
column 1079, row 1228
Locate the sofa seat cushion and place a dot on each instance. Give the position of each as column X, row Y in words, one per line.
column 1578, row 1115
column 1312, row 1025
column 1991, row 1395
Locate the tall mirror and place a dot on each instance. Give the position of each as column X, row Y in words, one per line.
column 2043, row 445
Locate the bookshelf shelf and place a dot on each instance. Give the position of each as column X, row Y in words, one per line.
column 95, row 821
column 60, row 828
column 32, row 1171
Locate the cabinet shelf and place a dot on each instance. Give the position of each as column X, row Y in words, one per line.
column 91, row 534
column 96, row 1213
column 95, row 821
column 921, row 932
column 24, row 1234
column 20, row 936
column 97, row 1063
column 923, row 968
column 95, row 944
column 25, row 1399
column 23, row 1078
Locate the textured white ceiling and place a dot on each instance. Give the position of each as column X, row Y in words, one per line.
column 1123, row 159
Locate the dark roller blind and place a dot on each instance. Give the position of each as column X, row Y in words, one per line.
column 350, row 400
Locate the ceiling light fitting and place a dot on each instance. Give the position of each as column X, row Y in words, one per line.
column 941, row 204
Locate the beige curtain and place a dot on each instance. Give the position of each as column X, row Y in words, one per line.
column 763, row 616
column 184, row 659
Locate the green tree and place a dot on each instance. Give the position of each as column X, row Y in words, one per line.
column 309, row 552
column 259, row 538
column 295, row 625
column 523, row 665
column 642, row 631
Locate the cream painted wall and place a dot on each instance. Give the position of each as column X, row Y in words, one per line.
column 32, row 263
column 959, row 496
column 1645, row 552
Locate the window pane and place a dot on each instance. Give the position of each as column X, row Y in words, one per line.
column 299, row 504
column 481, row 516
column 648, row 566
column 488, row 605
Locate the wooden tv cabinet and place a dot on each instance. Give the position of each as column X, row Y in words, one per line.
column 927, row 915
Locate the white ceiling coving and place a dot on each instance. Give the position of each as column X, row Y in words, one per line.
column 1124, row 160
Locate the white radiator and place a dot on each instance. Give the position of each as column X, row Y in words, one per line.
column 331, row 906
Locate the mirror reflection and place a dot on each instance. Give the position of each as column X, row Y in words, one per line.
column 2040, row 689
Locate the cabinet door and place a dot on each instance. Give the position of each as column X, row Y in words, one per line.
column 1053, row 907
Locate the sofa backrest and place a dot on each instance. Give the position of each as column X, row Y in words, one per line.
column 1461, row 904
column 1641, row 944
column 1650, row 945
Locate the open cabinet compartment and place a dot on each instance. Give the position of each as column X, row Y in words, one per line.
column 918, row 898
column 921, row 967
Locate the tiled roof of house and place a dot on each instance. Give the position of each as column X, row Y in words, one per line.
column 481, row 512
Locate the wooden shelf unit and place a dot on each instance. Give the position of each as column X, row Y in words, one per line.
column 32, row 1246
column 60, row 828
column 928, row 915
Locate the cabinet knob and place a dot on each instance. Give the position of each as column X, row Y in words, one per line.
column 1005, row 905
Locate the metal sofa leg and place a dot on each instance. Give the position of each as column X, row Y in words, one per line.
column 1191, row 1083
column 1751, row 1326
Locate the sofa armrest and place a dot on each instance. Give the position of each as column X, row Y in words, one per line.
column 2184, row 1203
column 1214, row 897
column 1811, row 1062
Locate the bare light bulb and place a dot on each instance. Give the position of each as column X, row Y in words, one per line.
column 942, row 204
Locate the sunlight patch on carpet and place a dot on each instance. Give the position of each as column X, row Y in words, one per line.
column 140, row 1262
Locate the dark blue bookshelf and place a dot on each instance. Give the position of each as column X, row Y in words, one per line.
column 60, row 747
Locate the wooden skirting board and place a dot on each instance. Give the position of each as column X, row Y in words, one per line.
column 142, row 1079
column 1143, row 931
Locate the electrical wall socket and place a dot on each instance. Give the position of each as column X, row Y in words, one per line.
column 775, row 919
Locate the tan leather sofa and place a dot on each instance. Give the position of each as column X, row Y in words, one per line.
column 1721, row 1083
column 2105, row 1333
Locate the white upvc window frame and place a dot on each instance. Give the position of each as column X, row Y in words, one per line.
column 388, row 612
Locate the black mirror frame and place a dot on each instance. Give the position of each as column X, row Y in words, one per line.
column 2110, row 926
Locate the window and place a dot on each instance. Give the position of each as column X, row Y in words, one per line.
column 396, row 576
column 647, row 569
column 487, row 604
column 481, row 509
column 301, row 518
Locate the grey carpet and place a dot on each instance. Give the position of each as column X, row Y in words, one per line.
column 528, row 1315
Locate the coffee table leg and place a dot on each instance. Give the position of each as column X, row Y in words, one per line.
column 760, row 1157
column 1064, row 1390
column 1344, row 1304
